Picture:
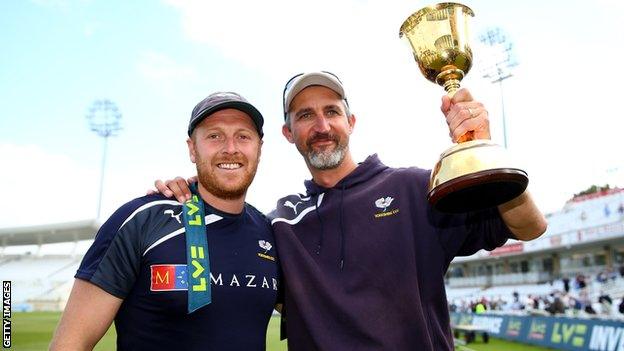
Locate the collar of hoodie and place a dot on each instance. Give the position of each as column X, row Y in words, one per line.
column 364, row 171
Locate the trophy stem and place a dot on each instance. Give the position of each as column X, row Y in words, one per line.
column 449, row 78
column 451, row 86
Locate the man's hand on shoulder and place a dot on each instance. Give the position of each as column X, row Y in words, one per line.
column 177, row 187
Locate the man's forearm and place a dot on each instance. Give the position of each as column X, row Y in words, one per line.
column 523, row 217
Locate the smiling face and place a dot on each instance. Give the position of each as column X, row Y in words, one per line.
column 319, row 127
column 225, row 148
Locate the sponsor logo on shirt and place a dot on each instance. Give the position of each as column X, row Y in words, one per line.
column 176, row 216
column 172, row 277
column 168, row 277
column 266, row 246
column 290, row 204
column 243, row 281
column 383, row 203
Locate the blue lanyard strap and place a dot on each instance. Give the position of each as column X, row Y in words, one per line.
column 197, row 259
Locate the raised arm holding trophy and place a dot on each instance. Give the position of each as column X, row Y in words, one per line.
column 475, row 173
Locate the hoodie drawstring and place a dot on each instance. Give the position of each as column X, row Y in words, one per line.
column 342, row 234
column 319, row 244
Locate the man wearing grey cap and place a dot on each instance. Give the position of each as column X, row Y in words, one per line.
column 363, row 253
column 202, row 275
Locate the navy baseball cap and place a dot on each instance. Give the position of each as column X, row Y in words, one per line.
column 220, row 101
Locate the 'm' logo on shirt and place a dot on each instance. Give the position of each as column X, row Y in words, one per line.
column 168, row 277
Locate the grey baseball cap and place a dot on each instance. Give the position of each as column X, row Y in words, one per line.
column 303, row 80
column 220, row 101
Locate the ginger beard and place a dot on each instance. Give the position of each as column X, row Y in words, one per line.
column 222, row 185
column 325, row 157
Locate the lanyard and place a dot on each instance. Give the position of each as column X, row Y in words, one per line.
column 197, row 260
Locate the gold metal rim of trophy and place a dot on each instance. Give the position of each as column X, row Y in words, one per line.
column 413, row 20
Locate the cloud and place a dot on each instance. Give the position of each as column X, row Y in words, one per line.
column 162, row 68
column 285, row 35
column 41, row 187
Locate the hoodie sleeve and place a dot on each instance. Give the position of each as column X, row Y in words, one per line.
column 465, row 234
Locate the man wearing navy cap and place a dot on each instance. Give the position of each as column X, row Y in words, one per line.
column 198, row 276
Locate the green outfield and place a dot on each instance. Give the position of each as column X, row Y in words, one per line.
column 33, row 331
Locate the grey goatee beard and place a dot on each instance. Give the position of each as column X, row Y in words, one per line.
column 327, row 159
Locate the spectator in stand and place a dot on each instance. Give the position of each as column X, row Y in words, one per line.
column 602, row 277
column 605, row 303
column 465, row 307
column 453, row 307
column 585, row 302
column 495, row 304
column 574, row 305
column 516, row 304
column 589, row 309
column 504, row 305
column 534, row 301
column 611, row 274
column 566, row 284
column 557, row 306
column 480, row 308
column 580, row 282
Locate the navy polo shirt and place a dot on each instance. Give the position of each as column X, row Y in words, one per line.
column 139, row 255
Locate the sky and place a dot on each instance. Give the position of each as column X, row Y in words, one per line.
column 156, row 59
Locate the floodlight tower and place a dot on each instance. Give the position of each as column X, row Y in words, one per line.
column 104, row 119
column 499, row 66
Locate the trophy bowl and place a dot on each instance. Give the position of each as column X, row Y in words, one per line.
column 473, row 174
column 439, row 36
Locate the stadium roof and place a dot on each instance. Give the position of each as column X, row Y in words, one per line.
column 49, row 233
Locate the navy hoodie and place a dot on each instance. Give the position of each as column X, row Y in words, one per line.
column 364, row 261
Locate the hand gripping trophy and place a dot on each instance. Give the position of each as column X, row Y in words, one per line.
column 472, row 174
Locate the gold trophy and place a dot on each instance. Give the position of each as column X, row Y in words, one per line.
column 473, row 174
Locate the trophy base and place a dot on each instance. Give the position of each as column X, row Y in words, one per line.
column 475, row 175
column 479, row 190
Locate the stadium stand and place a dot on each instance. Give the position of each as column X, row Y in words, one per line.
column 575, row 269
column 41, row 261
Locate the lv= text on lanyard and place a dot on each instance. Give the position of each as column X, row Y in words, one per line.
column 197, row 259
